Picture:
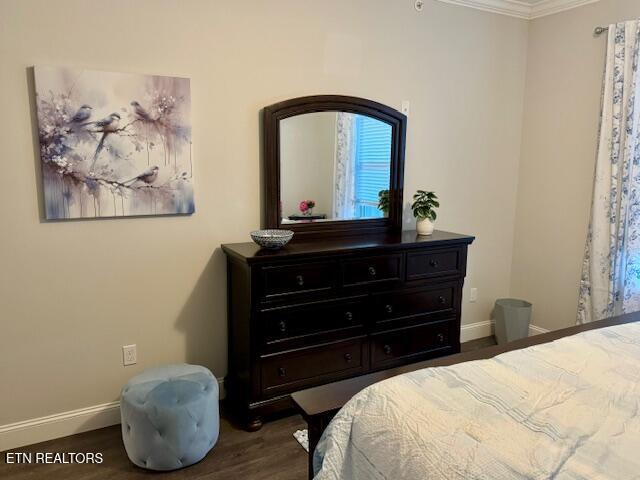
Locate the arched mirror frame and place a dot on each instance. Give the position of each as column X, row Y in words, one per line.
column 272, row 115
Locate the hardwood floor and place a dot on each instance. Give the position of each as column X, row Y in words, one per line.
column 477, row 344
column 271, row 453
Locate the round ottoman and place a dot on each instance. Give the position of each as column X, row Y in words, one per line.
column 170, row 416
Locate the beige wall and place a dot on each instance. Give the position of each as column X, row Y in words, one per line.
column 560, row 129
column 307, row 161
column 72, row 293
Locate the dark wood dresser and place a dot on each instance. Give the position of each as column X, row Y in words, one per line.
column 326, row 309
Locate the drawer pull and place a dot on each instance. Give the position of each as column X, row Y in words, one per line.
column 282, row 326
column 372, row 271
column 282, row 372
column 300, row 280
column 387, row 349
column 442, row 300
column 388, row 308
column 433, row 263
column 348, row 357
column 440, row 338
column 348, row 316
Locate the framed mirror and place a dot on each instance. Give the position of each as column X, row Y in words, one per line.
column 329, row 160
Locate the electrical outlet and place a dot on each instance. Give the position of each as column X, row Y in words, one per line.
column 129, row 355
column 473, row 295
column 419, row 5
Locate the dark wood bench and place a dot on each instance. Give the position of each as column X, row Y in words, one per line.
column 319, row 405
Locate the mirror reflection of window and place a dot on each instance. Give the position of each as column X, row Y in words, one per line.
column 338, row 160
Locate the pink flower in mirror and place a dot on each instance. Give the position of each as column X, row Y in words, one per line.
column 306, row 206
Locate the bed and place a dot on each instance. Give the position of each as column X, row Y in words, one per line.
column 567, row 408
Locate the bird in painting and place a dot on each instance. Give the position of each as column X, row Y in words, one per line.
column 107, row 125
column 82, row 115
column 148, row 176
column 140, row 112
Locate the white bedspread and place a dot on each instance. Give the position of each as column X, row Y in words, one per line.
column 567, row 409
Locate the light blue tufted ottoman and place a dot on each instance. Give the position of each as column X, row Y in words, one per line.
column 170, row 416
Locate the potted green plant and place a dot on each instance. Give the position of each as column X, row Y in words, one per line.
column 424, row 209
column 383, row 202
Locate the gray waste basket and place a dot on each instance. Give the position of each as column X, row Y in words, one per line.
column 512, row 317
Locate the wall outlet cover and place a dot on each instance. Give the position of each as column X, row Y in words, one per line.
column 129, row 355
column 473, row 294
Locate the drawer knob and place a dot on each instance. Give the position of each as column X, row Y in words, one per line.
column 300, row 280
column 372, row 271
column 387, row 349
column 388, row 308
column 348, row 357
column 433, row 263
column 282, row 326
column 348, row 316
column 442, row 300
column 282, row 372
column 440, row 338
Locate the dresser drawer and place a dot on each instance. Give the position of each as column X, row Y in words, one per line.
column 282, row 324
column 433, row 264
column 392, row 306
column 307, row 366
column 391, row 347
column 372, row 269
column 287, row 280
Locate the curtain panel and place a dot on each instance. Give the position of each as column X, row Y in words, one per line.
column 610, row 281
column 344, row 175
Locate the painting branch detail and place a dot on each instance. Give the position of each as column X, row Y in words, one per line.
column 114, row 144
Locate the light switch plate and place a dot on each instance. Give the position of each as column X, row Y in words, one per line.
column 405, row 107
column 129, row 355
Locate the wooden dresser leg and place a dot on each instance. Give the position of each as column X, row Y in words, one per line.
column 254, row 423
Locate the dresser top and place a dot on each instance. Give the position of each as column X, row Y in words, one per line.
column 252, row 253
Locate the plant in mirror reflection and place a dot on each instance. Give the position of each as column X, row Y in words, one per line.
column 383, row 201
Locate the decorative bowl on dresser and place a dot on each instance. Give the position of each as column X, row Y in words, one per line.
column 323, row 310
column 351, row 293
column 271, row 239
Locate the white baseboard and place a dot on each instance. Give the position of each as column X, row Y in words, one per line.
column 472, row 331
column 535, row 330
column 59, row 425
column 36, row 430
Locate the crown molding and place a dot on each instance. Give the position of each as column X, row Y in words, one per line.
column 512, row 8
column 549, row 7
column 520, row 9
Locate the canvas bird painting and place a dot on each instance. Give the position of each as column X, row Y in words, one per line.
column 114, row 144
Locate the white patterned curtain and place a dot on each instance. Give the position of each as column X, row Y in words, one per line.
column 344, row 176
column 610, row 283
